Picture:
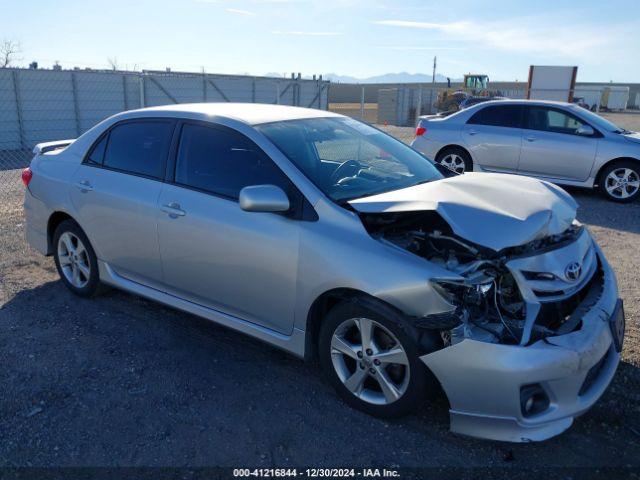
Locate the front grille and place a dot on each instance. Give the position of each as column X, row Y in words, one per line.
column 564, row 315
column 549, row 287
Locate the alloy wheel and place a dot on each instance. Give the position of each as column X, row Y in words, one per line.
column 370, row 361
column 622, row 183
column 453, row 162
column 74, row 260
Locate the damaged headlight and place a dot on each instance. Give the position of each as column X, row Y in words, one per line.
column 487, row 304
column 464, row 293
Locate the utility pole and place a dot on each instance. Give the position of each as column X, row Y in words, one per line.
column 433, row 84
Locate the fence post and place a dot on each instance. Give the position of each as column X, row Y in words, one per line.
column 125, row 99
column 362, row 102
column 253, row 90
column 204, row 86
column 16, row 92
column 431, row 101
column 143, row 101
column 74, row 92
column 277, row 93
column 419, row 107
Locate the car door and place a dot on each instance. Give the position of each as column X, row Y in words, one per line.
column 493, row 135
column 213, row 252
column 552, row 147
column 115, row 193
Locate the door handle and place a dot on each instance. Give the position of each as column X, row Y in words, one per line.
column 472, row 132
column 84, row 186
column 530, row 139
column 173, row 210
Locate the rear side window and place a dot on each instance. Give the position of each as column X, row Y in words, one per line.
column 223, row 162
column 499, row 116
column 97, row 152
column 139, row 147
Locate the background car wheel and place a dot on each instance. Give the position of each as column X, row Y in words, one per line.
column 620, row 181
column 371, row 357
column 75, row 259
column 455, row 159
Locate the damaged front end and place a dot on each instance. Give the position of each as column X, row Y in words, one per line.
column 528, row 342
column 533, row 334
column 496, row 296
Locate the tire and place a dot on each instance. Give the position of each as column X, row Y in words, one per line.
column 626, row 171
column 455, row 159
column 75, row 259
column 413, row 383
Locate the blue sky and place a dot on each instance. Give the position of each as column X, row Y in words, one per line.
column 349, row 37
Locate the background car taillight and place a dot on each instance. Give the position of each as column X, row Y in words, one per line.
column 27, row 175
column 420, row 130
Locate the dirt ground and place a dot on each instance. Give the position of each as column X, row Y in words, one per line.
column 121, row 381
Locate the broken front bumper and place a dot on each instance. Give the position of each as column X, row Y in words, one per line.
column 483, row 381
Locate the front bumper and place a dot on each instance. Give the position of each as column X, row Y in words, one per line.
column 483, row 380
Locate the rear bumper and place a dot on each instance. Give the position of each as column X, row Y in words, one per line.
column 36, row 216
column 426, row 146
column 483, row 380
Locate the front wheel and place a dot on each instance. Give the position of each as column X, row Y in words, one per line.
column 620, row 181
column 372, row 360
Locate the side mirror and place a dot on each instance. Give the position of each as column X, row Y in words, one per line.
column 585, row 131
column 264, row 198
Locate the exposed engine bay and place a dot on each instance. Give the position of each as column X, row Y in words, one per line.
column 488, row 302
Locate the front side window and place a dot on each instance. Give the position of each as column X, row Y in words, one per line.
column 552, row 120
column 498, row 116
column 223, row 162
column 139, row 147
column 597, row 121
column 348, row 159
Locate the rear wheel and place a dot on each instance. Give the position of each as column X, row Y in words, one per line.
column 620, row 181
column 75, row 259
column 455, row 159
column 372, row 360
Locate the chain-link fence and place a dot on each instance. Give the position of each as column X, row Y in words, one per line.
column 44, row 105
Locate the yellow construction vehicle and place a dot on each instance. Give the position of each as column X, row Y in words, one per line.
column 473, row 85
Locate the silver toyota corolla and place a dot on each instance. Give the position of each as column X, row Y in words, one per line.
column 559, row 142
column 328, row 238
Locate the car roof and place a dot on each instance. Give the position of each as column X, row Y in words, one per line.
column 250, row 113
column 524, row 102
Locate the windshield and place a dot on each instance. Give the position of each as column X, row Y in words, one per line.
column 597, row 121
column 348, row 159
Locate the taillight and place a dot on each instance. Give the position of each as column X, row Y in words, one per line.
column 420, row 130
column 27, row 175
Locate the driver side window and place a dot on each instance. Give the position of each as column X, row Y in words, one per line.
column 223, row 162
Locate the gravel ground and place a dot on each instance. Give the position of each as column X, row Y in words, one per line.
column 121, row 381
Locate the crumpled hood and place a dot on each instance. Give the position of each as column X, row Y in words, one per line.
column 489, row 209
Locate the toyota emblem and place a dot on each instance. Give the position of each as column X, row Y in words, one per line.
column 572, row 271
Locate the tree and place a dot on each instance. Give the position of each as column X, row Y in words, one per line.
column 9, row 49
